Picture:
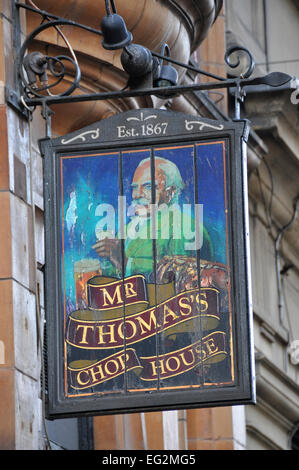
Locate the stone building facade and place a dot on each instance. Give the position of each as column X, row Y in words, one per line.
column 198, row 31
column 270, row 30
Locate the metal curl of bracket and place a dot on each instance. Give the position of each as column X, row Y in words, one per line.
column 34, row 65
column 238, row 50
column 46, row 63
column 52, row 62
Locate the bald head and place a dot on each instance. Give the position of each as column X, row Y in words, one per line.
column 168, row 184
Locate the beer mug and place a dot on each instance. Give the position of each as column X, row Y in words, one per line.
column 83, row 271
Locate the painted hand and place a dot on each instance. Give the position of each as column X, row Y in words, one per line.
column 109, row 248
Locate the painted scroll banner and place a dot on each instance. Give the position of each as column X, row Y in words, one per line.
column 86, row 374
column 88, row 329
column 94, row 329
column 109, row 294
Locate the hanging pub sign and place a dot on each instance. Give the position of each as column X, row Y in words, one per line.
column 147, row 265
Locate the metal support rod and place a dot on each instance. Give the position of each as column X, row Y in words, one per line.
column 58, row 18
column 155, row 54
column 239, row 98
column 237, row 106
column 47, row 115
column 134, row 93
column 188, row 67
column 29, row 95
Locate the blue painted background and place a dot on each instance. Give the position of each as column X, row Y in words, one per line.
column 92, row 180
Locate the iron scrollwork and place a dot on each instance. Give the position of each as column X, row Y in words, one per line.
column 235, row 53
column 41, row 65
column 35, row 87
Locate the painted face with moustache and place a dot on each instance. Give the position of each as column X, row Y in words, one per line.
column 140, row 209
column 142, row 189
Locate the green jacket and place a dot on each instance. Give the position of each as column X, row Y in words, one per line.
column 139, row 250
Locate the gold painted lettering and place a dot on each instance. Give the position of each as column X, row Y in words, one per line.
column 211, row 346
column 182, row 355
column 155, row 367
column 115, row 365
column 84, row 334
column 168, row 312
column 151, row 326
column 184, row 305
column 129, row 290
column 122, row 360
column 79, row 380
column 201, row 353
column 121, row 329
column 110, row 334
column 111, row 299
column 177, row 365
column 95, row 371
column 203, row 303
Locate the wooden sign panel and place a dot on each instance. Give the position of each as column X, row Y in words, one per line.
column 148, row 304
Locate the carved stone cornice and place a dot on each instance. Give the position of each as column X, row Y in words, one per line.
column 277, row 389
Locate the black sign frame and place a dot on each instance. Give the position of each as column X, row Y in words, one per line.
column 127, row 131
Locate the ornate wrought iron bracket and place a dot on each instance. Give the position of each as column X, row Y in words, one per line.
column 147, row 74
